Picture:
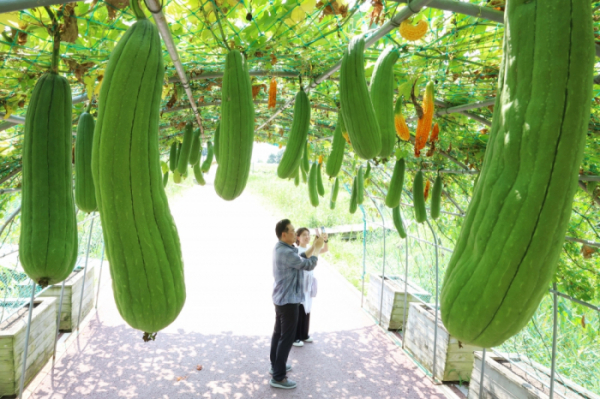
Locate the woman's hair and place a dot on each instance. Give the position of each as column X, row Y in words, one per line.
column 299, row 233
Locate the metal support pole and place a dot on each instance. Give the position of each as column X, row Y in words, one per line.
column 383, row 263
column 62, row 293
column 362, row 297
column 405, row 290
column 554, row 338
column 87, row 255
column 165, row 32
column 100, row 275
column 24, row 367
column 435, row 334
column 481, row 377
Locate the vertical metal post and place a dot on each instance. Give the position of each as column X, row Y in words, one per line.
column 24, row 368
column 554, row 338
column 62, row 293
column 481, row 377
column 405, row 290
column 382, row 266
column 87, row 255
column 364, row 256
column 100, row 275
column 436, row 300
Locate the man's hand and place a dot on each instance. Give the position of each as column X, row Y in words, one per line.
column 324, row 236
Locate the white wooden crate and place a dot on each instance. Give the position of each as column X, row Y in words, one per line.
column 501, row 382
column 393, row 300
column 454, row 360
column 12, row 343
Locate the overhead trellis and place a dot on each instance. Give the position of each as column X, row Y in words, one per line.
column 284, row 40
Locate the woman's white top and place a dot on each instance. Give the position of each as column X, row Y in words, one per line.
column 309, row 285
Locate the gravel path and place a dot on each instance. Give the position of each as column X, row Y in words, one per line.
column 226, row 324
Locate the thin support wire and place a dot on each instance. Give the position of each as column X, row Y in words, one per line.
column 24, row 367
column 362, row 296
column 405, row 291
column 87, row 255
column 554, row 338
column 382, row 265
column 482, row 375
column 99, row 276
column 435, row 331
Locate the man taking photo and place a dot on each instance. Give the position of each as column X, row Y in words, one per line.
column 287, row 295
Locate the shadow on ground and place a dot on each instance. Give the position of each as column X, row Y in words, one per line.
column 233, row 366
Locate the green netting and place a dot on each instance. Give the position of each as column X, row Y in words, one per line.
column 460, row 53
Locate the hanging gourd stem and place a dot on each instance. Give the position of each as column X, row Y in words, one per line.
column 135, row 6
column 89, row 107
column 55, row 41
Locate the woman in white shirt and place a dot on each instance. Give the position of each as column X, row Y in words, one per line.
column 309, row 287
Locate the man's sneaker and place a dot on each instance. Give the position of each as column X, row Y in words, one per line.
column 283, row 384
column 298, row 343
column 309, row 340
column 288, row 367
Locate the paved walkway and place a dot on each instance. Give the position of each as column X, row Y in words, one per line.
column 226, row 324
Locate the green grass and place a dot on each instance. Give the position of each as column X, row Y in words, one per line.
column 285, row 200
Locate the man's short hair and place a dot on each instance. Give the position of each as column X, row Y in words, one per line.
column 281, row 227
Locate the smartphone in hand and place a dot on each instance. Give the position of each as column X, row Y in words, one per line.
column 322, row 229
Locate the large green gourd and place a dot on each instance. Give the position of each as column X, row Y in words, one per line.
column 419, row 198
column 48, row 241
column 292, row 155
column 354, row 196
column 173, row 157
column 392, row 199
column 320, row 186
column 382, row 97
column 237, row 128
column 140, row 234
column 217, row 140
column 360, row 184
column 397, row 217
column 513, row 232
column 312, row 185
column 334, row 162
column 334, row 193
column 195, row 153
column 184, row 153
column 209, row 158
column 85, row 193
column 436, row 197
column 356, row 106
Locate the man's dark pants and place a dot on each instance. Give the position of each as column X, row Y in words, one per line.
column 284, row 334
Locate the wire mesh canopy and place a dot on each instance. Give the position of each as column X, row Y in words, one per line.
column 289, row 41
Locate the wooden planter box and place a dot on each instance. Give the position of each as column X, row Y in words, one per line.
column 454, row 360
column 393, row 300
column 70, row 306
column 503, row 380
column 12, row 343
